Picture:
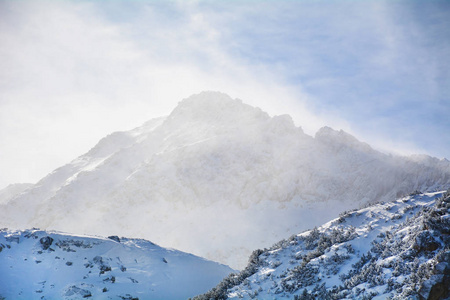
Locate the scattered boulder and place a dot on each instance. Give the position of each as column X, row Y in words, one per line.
column 111, row 279
column 441, row 290
column 103, row 267
column 425, row 242
column 74, row 290
column 46, row 242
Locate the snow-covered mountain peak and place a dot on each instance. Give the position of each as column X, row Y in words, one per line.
column 428, row 160
column 330, row 133
column 283, row 124
column 215, row 108
column 338, row 139
column 166, row 180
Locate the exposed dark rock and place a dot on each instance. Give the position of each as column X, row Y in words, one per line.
column 12, row 239
column 46, row 242
column 74, row 290
column 111, row 279
column 114, row 238
column 437, row 289
column 128, row 297
column 440, row 290
column 133, row 280
column 103, row 267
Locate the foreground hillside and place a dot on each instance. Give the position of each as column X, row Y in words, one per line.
column 397, row 250
column 167, row 180
column 49, row 265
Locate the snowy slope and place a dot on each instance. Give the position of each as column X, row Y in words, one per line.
column 214, row 177
column 12, row 191
column 50, row 265
column 399, row 250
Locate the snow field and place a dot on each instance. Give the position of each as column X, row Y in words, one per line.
column 74, row 267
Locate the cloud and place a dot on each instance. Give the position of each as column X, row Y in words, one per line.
column 381, row 66
column 72, row 72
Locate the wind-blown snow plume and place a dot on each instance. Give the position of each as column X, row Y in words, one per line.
column 215, row 178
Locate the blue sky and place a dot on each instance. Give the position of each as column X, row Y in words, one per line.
column 72, row 72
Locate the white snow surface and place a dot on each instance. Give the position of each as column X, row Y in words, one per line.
column 76, row 267
column 217, row 178
column 13, row 190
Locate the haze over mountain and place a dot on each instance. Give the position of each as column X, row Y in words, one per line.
column 217, row 178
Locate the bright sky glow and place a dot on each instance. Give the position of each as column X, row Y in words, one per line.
column 72, row 72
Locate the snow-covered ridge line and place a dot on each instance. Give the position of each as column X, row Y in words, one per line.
column 397, row 250
column 53, row 265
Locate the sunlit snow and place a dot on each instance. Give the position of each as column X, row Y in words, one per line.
column 54, row 265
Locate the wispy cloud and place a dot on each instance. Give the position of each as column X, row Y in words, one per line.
column 73, row 72
column 382, row 66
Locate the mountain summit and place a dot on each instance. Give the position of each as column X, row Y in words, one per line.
column 216, row 108
column 217, row 178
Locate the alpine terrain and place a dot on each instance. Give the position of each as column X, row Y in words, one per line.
column 396, row 250
column 13, row 190
column 217, row 178
column 38, row 264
